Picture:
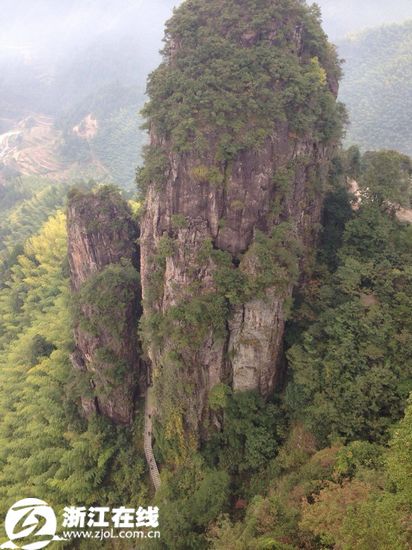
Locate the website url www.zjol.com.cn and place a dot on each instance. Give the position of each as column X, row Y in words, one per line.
column 111, row 534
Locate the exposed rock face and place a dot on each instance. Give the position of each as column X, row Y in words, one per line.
column 104, row 263
column 259, row 190
column 248, row 356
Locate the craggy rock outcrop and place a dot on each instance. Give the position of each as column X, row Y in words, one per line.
column 260, row 205
column 248, row 356
column 104, row 264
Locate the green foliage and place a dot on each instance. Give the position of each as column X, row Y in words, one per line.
column 360, row 508
column 369, row 238
column 154, row 169
column 272, row 517
column 188, row 323
column 351, row 369
column 25, row 204
column 337, row 210
column 357, row 457
column 191, row 497
column 339, row 496
column 205, row 174
column 386, row 178
column 40, row 347
column 101, row 304
column 382, row 520
column 251, row 434
column 35, row 279
column 323, row 517
column 179, row 221
column 118, row 138
column 347, row 382
column 231, row 282
column 268, row 524
column 177, row 334
column 270, row 262
column 218, row 397
column 165, row 248
column 379, row 522
column 231, row 72
column 400, row 456
column 184, row 327
column 276, row 256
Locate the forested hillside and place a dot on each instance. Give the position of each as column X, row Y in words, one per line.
column 340, row 478
column 105, row 128
column 244, row 326
column 376, row 87
column 47, row 448
column 25, row 204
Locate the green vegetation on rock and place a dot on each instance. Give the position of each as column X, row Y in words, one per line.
column 232, row 72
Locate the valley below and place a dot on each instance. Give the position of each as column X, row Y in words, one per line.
column 33, row 146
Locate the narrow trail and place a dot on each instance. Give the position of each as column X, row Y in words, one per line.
column 148, row 449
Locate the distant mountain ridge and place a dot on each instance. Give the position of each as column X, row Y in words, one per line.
column 341, row 17
column 377, row 87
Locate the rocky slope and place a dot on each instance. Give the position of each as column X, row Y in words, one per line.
column 104, row 263
column 234, row 178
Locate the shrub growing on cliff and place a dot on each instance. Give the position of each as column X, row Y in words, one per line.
column 102, row 302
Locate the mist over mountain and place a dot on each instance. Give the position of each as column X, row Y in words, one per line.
column 77, row 62
column 71, row 47
column 341, row 17
column 53, row 29
column 376, row 88
column 72, row 60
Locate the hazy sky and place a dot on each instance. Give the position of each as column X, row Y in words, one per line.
column 53, row 25
column 345, row 16
column 51, row 28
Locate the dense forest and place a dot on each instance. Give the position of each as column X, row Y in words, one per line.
column 318, row 456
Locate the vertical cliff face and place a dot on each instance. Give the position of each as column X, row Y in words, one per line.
column 104, row 263
column 243, row 121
